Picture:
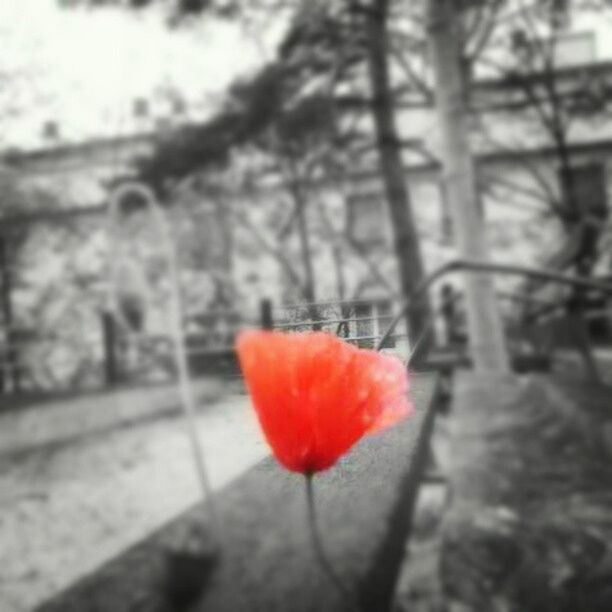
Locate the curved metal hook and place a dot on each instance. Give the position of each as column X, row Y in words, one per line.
column 180, row 354
column 457, row 265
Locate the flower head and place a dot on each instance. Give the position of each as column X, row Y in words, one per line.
column 316, row 395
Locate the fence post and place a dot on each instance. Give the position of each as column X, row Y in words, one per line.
column 265, row 310
column 11, row 370
column 447, row 310
column 384, row 315
column 110, row 354
column 13, row 356
column 364, row 328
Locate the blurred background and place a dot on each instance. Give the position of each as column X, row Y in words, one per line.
column 428, row 177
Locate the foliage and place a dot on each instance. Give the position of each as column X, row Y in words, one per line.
column 185, row 7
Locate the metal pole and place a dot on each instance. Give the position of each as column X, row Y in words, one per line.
column 176, row 320
column 11, row 374
column 491, row 268
column 265, row 309
column 110, row 354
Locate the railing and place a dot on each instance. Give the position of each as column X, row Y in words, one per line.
column 491, row 268
column 360, row 321
column 112, row 354
column 373, row 323
column 35, row 363
column 209, row 337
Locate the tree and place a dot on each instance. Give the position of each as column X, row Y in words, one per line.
column 405, row 233
column 331, row 42
column 554, row 100
column 517, row 45
column 327, row 42
column 484, row 322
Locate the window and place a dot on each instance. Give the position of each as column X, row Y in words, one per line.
column 367, row 219
column 589, row 188
column 570, row 49
column 446, row 221
column 574, row 49
column 371, row 319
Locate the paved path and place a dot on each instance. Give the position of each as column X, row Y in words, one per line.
column 65, row 511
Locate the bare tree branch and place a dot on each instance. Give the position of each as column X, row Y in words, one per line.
column 275, row 252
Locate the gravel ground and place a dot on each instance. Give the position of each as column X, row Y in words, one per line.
column 64, row 511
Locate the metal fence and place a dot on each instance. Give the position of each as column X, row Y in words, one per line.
column 363, row 322
column 115, row 356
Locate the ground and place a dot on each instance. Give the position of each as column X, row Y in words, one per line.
column 66, row 509
column 525, row 523
column 537, row 538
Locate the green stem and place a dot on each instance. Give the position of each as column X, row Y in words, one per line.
column 322, row 558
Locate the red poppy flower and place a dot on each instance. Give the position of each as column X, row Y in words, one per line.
column 316, row 395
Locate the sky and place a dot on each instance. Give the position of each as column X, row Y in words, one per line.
column 83, row 68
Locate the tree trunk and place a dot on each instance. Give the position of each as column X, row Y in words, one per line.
column 305, row 250
column 9, row 373
column 485, row 329
column 308, row 288
column 573, row 219
column 406, row 241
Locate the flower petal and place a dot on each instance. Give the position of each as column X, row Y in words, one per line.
column 316, row 396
